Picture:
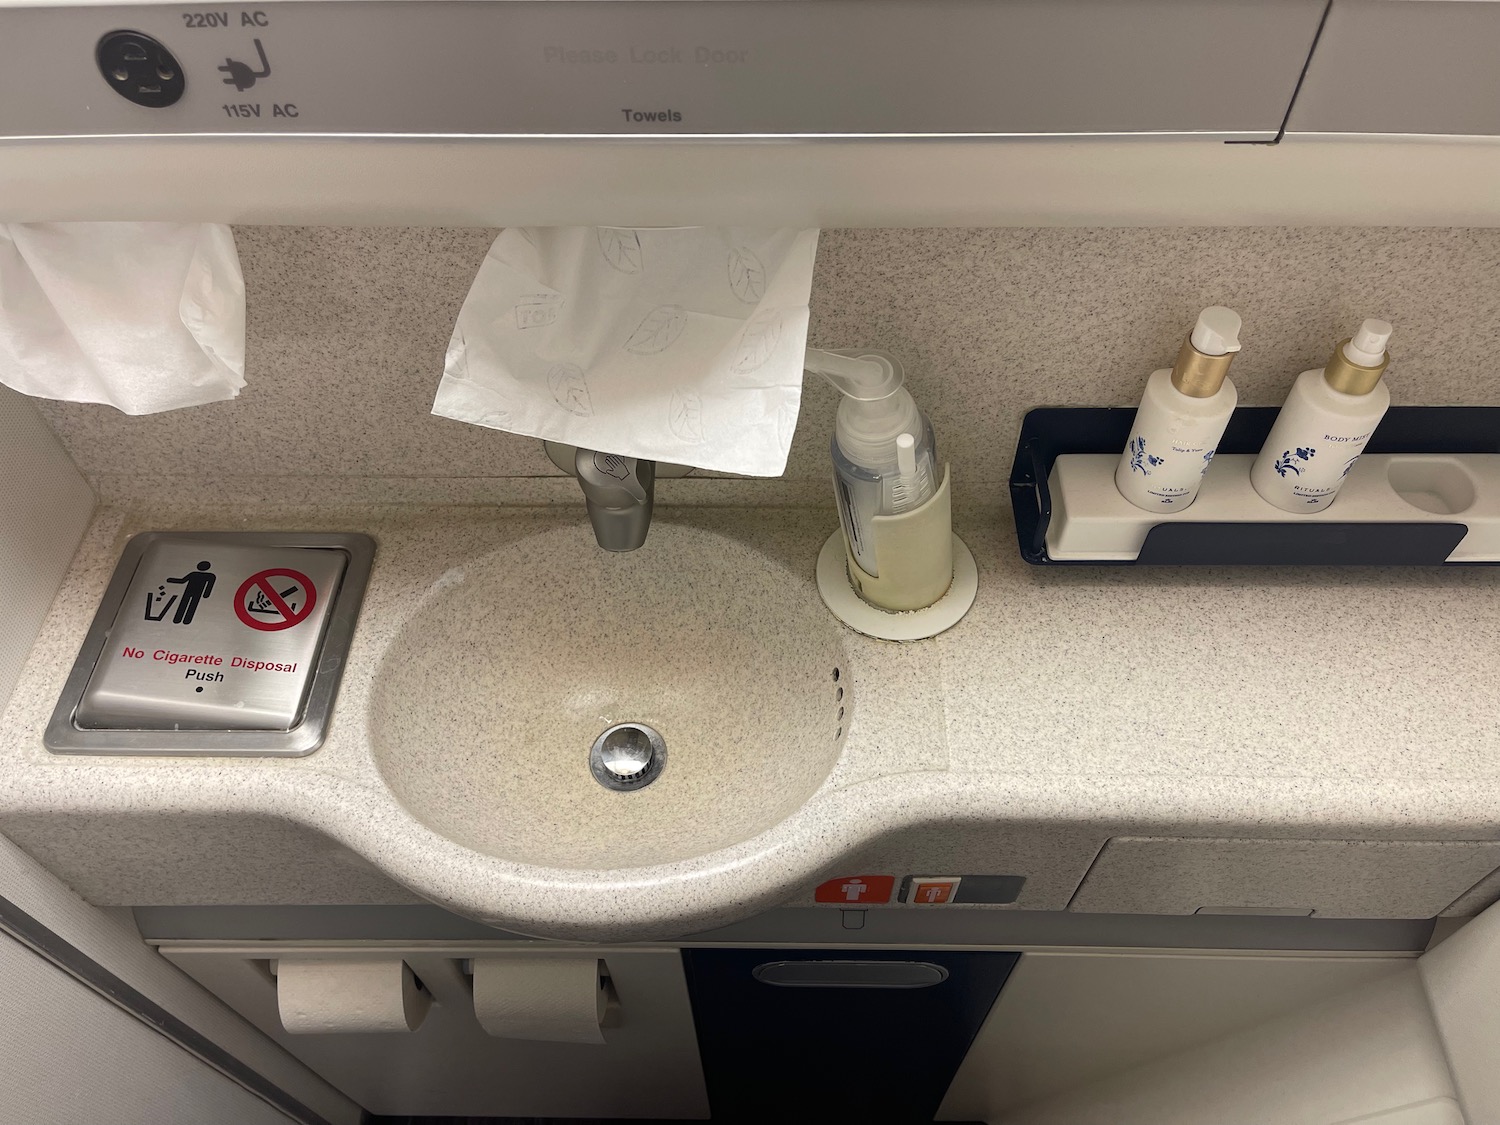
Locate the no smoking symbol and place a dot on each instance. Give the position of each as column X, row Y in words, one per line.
column 275, row 599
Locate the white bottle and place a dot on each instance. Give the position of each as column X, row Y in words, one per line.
column 1182, row 417
column 1325, row 425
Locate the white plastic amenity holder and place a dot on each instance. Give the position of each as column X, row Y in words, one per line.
column 1092, row 522
column 939, row 585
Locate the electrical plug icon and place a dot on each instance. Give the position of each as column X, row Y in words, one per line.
column 240, row 76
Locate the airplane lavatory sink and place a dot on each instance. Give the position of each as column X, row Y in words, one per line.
column 558, row 706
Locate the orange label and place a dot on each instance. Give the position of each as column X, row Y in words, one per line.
column 856, row 890
column 932, row 893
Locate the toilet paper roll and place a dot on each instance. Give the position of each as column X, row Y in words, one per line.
column 559, row 999
column 320, row 996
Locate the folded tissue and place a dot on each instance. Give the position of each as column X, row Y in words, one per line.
column 144, row 317
column 681, row 345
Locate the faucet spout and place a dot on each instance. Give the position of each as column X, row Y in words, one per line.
column 619, row 492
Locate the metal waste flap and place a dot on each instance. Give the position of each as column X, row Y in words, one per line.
column 203, row 636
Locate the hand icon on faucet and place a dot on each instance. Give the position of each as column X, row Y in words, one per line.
column 241, row 77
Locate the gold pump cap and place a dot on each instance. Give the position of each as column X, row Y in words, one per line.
column 1359, row 362
column 1204, row 358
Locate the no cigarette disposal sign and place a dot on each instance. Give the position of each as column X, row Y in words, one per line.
column 275, row 599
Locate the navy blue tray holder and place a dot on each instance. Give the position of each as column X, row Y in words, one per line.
column 1049, row 431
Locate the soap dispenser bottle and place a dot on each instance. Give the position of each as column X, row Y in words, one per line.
column 1182, row 417
column 1326, row 424
column 885, row 465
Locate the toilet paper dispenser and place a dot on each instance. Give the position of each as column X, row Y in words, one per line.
column 545, row 997
column 558, row 998
column 317, row 995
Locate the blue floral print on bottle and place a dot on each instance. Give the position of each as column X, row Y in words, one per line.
column 1139, row 458
column 1288, row 461
column 1208, row 459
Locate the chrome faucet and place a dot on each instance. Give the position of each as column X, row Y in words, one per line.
column 619, row 492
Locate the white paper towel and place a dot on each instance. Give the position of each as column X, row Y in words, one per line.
column 681, row 345
column 142, row 316
column 560, row 999
column 321, row 996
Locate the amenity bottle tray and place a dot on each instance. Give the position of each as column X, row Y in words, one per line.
column 1426, row 492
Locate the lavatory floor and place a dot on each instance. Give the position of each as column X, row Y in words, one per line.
column 377, row 1120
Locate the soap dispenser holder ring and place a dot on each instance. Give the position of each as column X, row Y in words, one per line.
column 1050, row 432
column 910, row 533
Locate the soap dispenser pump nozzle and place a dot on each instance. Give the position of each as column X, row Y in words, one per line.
column 1205, row 356
column 1359, row 362
column 866, row 378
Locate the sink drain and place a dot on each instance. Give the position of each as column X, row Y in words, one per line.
column 627, row 756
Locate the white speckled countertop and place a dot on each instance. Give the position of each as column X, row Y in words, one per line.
column 1070, row 706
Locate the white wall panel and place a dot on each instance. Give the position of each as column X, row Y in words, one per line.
column 70, row 1057
column 44, row 507
column 1067, row 1019
column 1369, row 1054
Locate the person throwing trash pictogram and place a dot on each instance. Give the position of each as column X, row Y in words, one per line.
column 198, row 584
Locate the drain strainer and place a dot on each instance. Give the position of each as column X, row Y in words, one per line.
column 627, row 756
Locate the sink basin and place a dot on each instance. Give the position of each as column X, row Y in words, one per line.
column 488, row 702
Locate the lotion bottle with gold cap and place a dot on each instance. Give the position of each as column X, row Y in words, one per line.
column 1326, row 423
column 1182, row 417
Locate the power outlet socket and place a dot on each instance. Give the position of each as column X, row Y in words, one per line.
column 140, row 69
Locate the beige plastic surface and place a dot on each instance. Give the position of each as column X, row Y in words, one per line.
column 1462, row 977
column 1172, row 182
column 914, row 552
column 1330, row 878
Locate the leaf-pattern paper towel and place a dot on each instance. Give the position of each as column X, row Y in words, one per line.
column 681, row 344
column 144, row 317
